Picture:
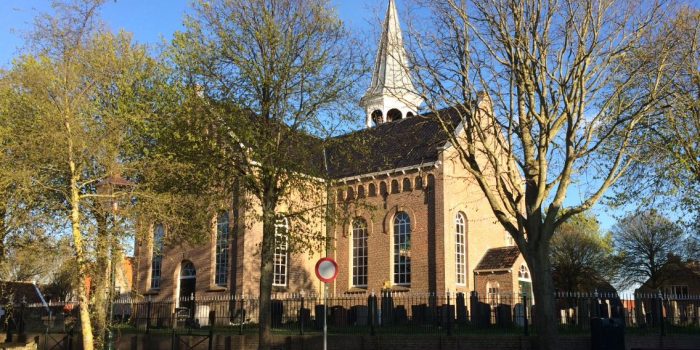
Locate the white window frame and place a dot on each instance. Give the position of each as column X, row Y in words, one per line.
column 280, row 269
column 221, row 257
column 359, row 253
column 402, row 249
column 460, row 250
column 493, row 293
column 524, row 274
column 157, row 256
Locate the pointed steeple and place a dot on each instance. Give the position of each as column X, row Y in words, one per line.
column 391, row 94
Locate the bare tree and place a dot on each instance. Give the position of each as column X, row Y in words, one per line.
column 548, row 99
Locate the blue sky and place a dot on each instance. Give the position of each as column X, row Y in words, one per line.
column 152, row 21
column 149, row 20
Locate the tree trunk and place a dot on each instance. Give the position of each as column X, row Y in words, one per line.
column 101, row 278
column 266, row 274
column 85, row 324
column 544, row 317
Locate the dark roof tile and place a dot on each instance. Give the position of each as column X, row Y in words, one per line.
column 407, row 142
column 498, row 259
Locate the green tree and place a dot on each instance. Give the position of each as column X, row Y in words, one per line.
column 261, row 75
column 644, row 242
column 74, row 95
column 668, row 174
column 547, row 93
column 582, row 257
column 34, row 257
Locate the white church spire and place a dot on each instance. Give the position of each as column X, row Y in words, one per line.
column 391, row 95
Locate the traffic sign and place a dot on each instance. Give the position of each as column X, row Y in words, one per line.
column 326, row 270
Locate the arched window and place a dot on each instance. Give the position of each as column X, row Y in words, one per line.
column 460, row 250
column 281, row 258
column 340, row 196
column 222, row 234
column 406, row 184
column 394, row 186
column 402, row 249
column 524, row 273
column 377, row 117
column 359, row 253
column 187, row 270
column 351, row 193
column 157, row 260
column 382, row 188
column 372, row 190
column 360, row 191
column 393, row 115
column 419, row 182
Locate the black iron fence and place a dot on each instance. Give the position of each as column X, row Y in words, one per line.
column 371, row 314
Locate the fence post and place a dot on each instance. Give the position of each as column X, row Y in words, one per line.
column 525, row 321
column 212, row 319
column 301, row 315
column 70, row 339
column 241, row 316
column 448, row 314
column 372, row 306
column 661, row 314
column 148, row 315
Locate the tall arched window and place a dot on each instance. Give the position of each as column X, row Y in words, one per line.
column 157, row 258
column 372, row 190
column 281, row 259
column 359, row 253
column 402, row 249
column 460, row 250
column 222, row 234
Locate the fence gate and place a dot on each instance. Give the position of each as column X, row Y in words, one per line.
column 186, row 339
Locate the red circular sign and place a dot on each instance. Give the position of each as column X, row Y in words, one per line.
column 326, row 270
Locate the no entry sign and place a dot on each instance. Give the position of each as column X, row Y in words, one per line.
column 326, row 270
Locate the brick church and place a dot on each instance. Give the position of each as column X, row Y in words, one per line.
column 423, row 225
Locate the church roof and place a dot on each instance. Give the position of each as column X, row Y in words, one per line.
column 501, row 258
column 402, row 143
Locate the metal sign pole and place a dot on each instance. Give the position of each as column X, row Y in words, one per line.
column 325, row 316
column 326, row 271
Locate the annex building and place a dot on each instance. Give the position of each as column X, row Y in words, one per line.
column 423, row 224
